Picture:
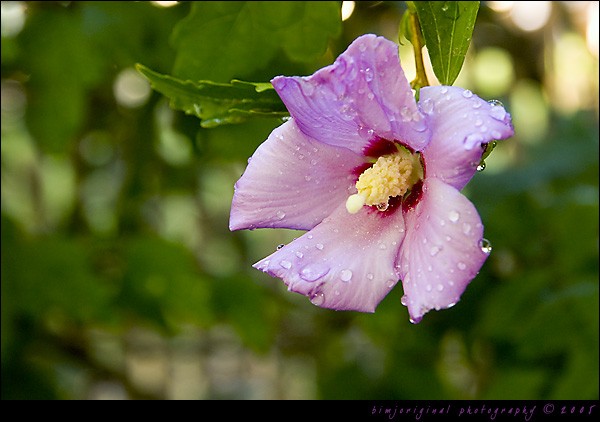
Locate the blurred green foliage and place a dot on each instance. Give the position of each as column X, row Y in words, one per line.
column 117, row 261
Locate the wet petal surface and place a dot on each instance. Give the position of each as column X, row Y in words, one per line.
column 442, row 250
column 363, row 94
column 344, row 263
column 292, row 181
column 460, row 122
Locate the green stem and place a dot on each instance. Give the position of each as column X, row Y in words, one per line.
column 415, row 29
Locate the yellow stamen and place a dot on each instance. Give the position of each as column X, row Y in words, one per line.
column 392, row 175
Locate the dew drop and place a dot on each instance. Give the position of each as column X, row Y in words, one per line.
column 368, row 74
column 299, row 254
column 319, row 246
column 391, row 283
column 481, row 166
column 382, row 206
column 280, row 215
column 485, row 245
column 473, row 139
column 443, row 89
column 476, row 104
column 495, row 103
column 370, row 95
column 450, row 305
column 461, row 266
column 440, row 287
column 453, row 216
column 308, row 89
column 415, row 320
column 281, row 245
column 382, row 246
column 466, row 228
column 427, row 106
column 370, row 276
column 307, row 178
column 404, row 300
column 434, row 250
column 467, row 94
column 286, row 264
column 313, row 272
column 428, row 288
column 313, row 162
column 317, row 299
column 362, row 47
column 405, row 114
column 346, row 275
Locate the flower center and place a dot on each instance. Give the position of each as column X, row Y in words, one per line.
column 392, row 175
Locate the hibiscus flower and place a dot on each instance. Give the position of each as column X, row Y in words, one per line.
column 374, row 177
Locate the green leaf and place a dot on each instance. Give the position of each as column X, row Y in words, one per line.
column 447, row 27
column 218, row 103
column 223, row 40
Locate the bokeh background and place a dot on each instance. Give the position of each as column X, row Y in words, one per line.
column 120, row 278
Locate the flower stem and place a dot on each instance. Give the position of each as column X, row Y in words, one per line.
column 416, row 40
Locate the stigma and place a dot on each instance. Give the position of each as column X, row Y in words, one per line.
column 392, row 175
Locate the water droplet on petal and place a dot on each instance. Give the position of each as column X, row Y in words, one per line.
column 281, row 245
column 317, row 299
column 280, row 215
column 466, row 228
column 481, row 166
column 313, row 272
column 391, row 283
column 440, row 287
column 461, row 266
column 443, row 89
column 286, row 264
column 404, row 300
column 428, row 288
column 450, row 305
column 453, row 216
column 370, row 276
column 362, row 47
column 476, row 104
column 434, row 250
column 473, row 139
column 427, row 106
column 415, row 320
column 368, row 74
column 495, row 103
column 485, row 245
column 405, row 114
column 346, row 275
column 299, row 254
column 308, row 89
column 382, row 206
column 307, row 178
column 370, row 95
column 467, row 94
column 382, row 246
column 319, row 246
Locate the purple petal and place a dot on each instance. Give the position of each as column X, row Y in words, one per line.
column 363, row 94
column 441, row 252
column 292, row 181
column 344, row 263
column 460, row 123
